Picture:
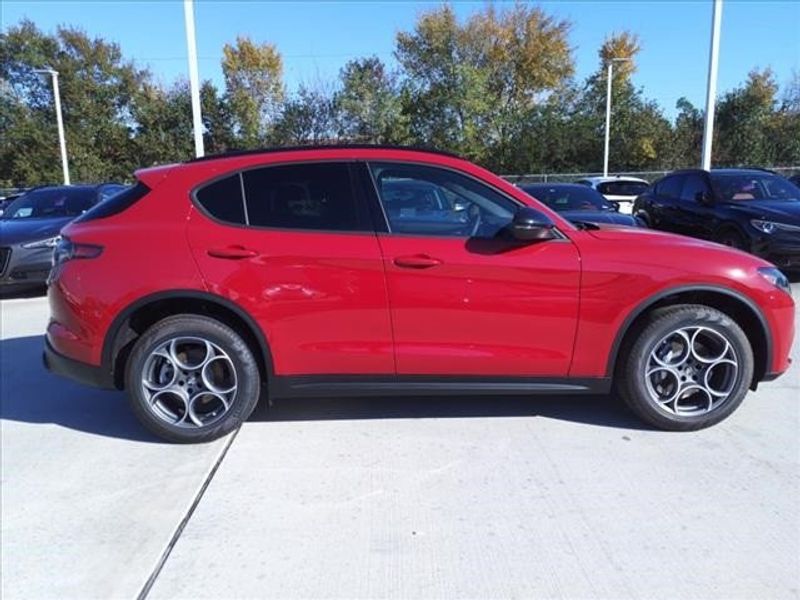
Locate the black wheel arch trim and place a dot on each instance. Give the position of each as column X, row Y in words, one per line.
column 650, row 301
column 115, row 329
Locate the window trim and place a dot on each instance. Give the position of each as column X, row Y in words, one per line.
column 377, row 198
column 357, row 194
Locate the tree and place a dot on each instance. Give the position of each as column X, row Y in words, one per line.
column 254, row 87
column 687, row 136
column 307, row 118
column 368, row 106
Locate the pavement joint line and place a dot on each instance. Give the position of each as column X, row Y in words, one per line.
column 182, row 525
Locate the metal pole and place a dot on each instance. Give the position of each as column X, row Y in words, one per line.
column 62, row 141
column 608, row 116
column 711, row 90
column 194, row 77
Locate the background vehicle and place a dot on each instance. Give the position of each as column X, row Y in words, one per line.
column 795, row 179
column 749, row 209
column 292, row 272
column 579, row 203
column 620, row 189
column 29, row 228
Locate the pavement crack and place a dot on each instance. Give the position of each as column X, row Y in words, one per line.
column 182, row 525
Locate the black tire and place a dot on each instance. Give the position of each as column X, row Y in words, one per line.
column 732, row 238
column 631, row 382
column 247, row 377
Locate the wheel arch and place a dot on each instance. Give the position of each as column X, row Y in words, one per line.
column 135, row 318
column 736, row 305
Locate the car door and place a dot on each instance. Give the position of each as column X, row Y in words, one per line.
column 664, row 205
column 464, row 299
column 694, row 214
column 294, row 246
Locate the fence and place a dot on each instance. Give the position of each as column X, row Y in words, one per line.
column 646, row 175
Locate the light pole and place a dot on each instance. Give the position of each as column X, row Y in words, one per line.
column 711, row 88
column 194, row 77
column 61, row 139
column 608, row 110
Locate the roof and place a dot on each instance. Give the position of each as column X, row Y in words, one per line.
column 602, row 179
column 725, row 170
column 544, row 184
column 317, row 147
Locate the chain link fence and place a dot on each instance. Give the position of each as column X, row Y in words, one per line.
column 649, row 176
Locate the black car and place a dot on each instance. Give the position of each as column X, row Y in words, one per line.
column 579, row 203
column 750, row 209
column 30, row 224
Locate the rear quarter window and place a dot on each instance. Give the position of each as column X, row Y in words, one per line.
column 222, row 199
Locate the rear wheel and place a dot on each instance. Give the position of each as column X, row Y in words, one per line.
column 689, row 368
column 192, row 379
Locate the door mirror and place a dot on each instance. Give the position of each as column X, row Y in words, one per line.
column 704, row 198
column 529, row 225
column 614, row 205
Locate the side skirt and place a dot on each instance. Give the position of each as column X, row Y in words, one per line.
column 316, row 386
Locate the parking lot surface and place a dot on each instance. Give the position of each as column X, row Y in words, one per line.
column 392, row 498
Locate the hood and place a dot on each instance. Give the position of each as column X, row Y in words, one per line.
column 599, row 216
column 784, row 211
column 16, row 231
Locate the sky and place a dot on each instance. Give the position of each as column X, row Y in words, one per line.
column 317, row 38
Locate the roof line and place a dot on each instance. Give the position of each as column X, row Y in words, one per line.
column 274, row 149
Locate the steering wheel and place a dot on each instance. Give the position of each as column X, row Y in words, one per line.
column 476, row 225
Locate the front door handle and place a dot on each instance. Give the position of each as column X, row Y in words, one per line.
column 232, row 252
column 417, row 261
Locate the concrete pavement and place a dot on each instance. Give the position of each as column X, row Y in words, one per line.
column 394, row 498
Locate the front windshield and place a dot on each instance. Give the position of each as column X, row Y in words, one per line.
column 50, row 204
column 573, row 197
column 622, row 188
column 743, row 187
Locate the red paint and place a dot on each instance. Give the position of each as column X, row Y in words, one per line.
column 366, row 303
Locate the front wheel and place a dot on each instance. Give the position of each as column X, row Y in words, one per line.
column 690, row 368
column 192, row 379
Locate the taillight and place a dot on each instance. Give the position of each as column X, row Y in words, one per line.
column 66, row 250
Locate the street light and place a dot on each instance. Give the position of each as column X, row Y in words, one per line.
column 608, row 110
column 194, row 77
column 61, row 140
column 711, row 88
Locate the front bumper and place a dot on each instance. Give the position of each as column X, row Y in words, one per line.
column 781, row 249
column 21, row 267
column 73, row 369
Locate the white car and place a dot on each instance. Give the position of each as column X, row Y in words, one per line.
column 623, row 190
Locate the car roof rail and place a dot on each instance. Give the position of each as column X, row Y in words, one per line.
column 275, row 149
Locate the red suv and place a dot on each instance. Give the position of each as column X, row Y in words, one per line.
column 373, row 270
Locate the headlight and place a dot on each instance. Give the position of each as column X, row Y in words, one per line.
column 770, row 227
column 48, row 243
column 776, row 278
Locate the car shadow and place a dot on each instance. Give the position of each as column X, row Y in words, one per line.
column 31, row 394
column 26, row 292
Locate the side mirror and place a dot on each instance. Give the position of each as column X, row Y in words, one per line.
column 704, row 198
column 530, row 225
column 614, row 205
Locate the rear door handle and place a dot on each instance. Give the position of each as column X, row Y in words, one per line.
column 232, row 252
column 417, row 261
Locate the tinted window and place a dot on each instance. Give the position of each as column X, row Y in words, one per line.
column 568, row 197
column 307, row 196
column 430, row 201
column 51, row 203
column 223, row 199
column 107, row 191
column 115, row 204
column 622, row 188
column 693, row 185
column 670, row 187
column 741, row 187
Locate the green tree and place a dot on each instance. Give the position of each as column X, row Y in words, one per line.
column 254, row 87
column 368, row 106
column 307, row 118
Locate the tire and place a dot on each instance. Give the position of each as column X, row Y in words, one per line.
column 733, row 239
column 202, row 398
column 654, row 369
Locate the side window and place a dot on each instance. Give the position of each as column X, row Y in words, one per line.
column 693, row 185
column 223, row 200
column 670, row 187
column 304, row 196
column 426, row 200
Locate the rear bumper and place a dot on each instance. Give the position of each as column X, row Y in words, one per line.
column 76, row 370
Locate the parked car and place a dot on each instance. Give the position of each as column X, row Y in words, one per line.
column 750, row 209
column 621, row 189
column 29, row 229
column 288, row 272
column 579, row 204
column 795, row 179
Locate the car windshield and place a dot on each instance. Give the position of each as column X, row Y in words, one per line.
column 743, row 187
column 50, row 203
column 572, row 197
column 622, row 188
